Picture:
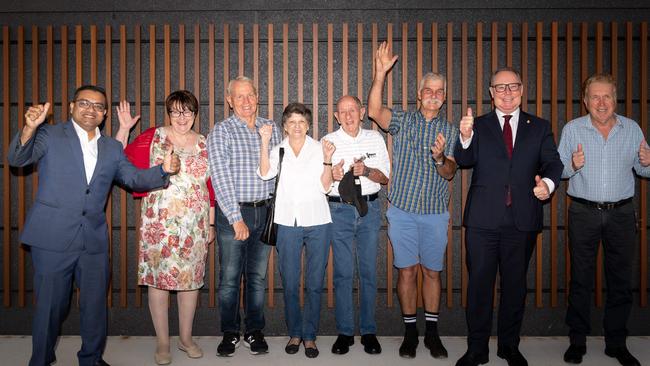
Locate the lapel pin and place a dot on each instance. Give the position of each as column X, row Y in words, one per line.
column 527, row 121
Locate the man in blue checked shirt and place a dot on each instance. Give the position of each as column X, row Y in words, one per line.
column 601, row 151
column 233, row 152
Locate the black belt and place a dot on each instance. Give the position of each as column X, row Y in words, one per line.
column 259, row 203
column 369, row 198
column 601, row 205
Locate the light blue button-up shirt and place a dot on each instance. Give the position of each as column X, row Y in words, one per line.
column 607, row 175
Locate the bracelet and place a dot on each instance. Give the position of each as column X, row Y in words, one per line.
column 212, row 225
column 327, row 164
column 441, row 163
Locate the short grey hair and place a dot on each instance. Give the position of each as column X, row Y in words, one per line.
column 244, row 79
column 433, row 76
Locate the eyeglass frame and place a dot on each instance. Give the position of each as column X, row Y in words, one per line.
column 177, row 114
column 507, row 86
column 86, row 104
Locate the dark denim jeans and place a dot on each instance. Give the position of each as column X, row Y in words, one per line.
column 354, row 242
column 249, row 258
column 303, row 324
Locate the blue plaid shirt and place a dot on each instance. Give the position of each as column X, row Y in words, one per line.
column 233, row 155
column 607, row 174
column 416, row 186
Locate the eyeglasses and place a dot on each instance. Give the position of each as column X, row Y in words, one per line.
column 501, row 88
column 85, row 104
column 185, row 113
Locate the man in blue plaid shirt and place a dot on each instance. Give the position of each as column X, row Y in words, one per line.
column 233, row 151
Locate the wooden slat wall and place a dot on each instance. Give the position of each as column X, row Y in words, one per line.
column 466, row 53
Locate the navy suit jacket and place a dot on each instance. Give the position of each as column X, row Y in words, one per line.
column 534, row 153
column 65, row 203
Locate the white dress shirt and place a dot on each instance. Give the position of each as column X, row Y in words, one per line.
column 88, row 149
column 300, row 198
column 367, row 144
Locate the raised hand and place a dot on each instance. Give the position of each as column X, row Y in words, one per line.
column 127, row 121
column 578, row 158
column 438, row 148
column 337, row 171
column 171, row 164
column 266, row 131
column 35, row 115
column 384, row 58
column 541, row 190
column 467, row 124
column 328, row 150
column 644, row 154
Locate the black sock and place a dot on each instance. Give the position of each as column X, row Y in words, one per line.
column 431, row 322
column 410, row 324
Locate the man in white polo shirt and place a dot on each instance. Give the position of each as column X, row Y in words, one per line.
column 364, row 153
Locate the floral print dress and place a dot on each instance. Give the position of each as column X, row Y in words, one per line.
column 175, row 221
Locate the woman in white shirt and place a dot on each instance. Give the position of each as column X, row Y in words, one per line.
column 303, row 216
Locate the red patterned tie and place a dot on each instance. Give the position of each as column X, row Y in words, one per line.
column 507, row 134
column 507, row 140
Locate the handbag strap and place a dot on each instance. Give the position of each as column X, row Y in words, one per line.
column 277, row 177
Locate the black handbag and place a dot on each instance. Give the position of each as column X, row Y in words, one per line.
column 270, row 232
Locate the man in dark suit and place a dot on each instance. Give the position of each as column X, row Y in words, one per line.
column 66, row 226
column 516, row 168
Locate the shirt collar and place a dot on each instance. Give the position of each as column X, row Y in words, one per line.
column 434, row 119
column 588, row 123
column 514, row 114
column 344, row 135
column 82, row 134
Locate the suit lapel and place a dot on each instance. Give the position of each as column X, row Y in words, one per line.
column 75, row 147
column 523, row 127
column 101, row 152
column 495, row 127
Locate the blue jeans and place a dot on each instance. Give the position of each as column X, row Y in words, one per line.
column 349, row 227
column 289, row 247
column 249, row 258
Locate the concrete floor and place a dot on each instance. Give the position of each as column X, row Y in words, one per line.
column 123, row 351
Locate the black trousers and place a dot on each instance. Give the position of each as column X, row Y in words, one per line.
column 507, row 250
column 617, row 230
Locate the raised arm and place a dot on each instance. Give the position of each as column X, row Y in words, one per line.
column 127, row 121
column 384, row 61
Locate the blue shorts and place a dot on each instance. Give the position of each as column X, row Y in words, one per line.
column 417, row 238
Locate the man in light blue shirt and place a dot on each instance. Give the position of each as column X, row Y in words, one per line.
column 600, row 152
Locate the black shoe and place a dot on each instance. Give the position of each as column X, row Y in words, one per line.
column 101, row 362
column 409, row 345
column 342, row 344
column 512, row 356
column 310, row 352
column 292, row 348
column 574, row 353
column 623, row 356
column 473, row 359
column 256, row 343
column 370, row 344
column 228, row 345
column 434, row 344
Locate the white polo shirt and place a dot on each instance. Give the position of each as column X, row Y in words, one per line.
column 369, row 144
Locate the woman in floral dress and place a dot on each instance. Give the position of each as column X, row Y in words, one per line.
column 177, row 221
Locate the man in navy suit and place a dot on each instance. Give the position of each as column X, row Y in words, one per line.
column 516, row 168
column 66, row 226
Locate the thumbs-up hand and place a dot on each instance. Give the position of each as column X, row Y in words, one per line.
column 337, row 171
column 541, row 190
column 578, row 158
column 35, row 115
column 171, row 164
column 644, row 154
column 467, row 124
